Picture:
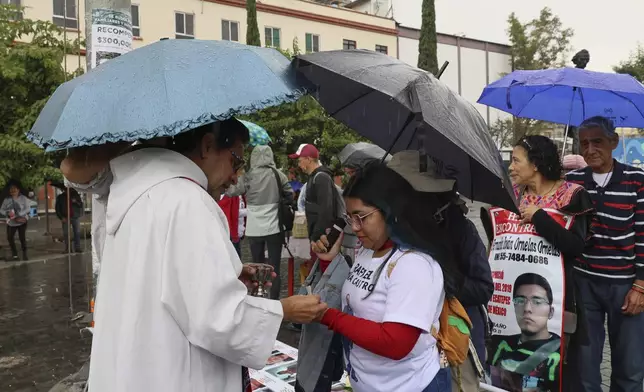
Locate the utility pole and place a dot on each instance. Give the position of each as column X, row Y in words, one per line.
column 108, row 34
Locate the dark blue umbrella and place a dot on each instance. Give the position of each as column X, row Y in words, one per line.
column 568, row 96
column 163, row 89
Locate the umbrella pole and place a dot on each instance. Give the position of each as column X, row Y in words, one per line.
column 565, row 135
column 391, row 147
column 410, row 117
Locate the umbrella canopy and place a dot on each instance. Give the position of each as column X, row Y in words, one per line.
column 258, row 135
column 398, row 107
column 357, row 155
column 568, row 96
column 163, row 89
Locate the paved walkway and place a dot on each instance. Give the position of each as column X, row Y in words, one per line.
column 40, row 344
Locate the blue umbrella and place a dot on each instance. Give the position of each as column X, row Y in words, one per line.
column 568, row 96
column 163, row 89
column 258, row 135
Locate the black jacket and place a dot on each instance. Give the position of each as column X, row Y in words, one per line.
column 322, row 202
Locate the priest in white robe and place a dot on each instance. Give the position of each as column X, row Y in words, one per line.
column 171, row 311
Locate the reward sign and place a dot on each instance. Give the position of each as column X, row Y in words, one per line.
column 527, row 305
column 111, row 35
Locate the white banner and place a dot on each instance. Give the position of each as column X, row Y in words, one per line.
column 111, row 35
column 527, row 305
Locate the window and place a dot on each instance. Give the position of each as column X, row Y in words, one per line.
column 15, row 3
column 184, row 25
column 136, row 27
column 312, row 43
column 65, row 14
column 229, row 30
column 381, row 49
column 272, row 37
column 348, row 44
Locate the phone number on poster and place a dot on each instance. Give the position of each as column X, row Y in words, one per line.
column 522, row 257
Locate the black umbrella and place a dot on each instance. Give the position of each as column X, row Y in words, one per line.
column 357, row 155
column 400, row 107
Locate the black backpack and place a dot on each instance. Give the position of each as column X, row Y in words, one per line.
column 286, row 208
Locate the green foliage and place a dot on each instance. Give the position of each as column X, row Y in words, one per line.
column 304, row 121
column 252, row 31
column 31, row 54
column 427, row 51
column 540, row 43
column 634, row 66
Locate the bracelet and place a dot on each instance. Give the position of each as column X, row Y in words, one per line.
column 637, row 289
column 638, row 286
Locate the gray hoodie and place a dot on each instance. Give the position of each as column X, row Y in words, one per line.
column 262, row 193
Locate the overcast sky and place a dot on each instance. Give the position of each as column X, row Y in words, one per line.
column 609, row 30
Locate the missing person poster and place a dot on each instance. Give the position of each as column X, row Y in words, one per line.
column 527, row 305
column 111, row 35
column 279, row 373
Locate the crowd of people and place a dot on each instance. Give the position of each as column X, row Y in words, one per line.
column 398, row 301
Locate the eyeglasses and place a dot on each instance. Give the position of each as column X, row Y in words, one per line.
column 238, row 162
column 356, row 220
column 534, row 301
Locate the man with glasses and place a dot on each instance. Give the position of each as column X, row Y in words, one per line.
column 533, row 353
column 173, row 310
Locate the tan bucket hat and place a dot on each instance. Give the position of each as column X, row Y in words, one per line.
column 407, row 164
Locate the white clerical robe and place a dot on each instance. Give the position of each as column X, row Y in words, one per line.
column 171, row 314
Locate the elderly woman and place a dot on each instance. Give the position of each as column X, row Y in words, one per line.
column 536, row 170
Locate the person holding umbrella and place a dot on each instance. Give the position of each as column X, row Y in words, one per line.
column 610, row 271
column 167, row 296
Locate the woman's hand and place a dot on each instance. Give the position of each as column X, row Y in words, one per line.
column 528, row 212
column 321, row 247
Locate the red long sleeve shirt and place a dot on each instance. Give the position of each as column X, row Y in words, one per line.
column 390, row 340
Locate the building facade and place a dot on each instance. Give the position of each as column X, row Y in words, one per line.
column 473, row 64
column 313, row 26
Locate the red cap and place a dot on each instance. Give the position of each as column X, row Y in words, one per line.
column 306, row 151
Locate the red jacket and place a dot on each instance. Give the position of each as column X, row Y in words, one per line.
column 230, row 206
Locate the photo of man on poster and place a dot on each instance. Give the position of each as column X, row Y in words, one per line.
column 529, row 361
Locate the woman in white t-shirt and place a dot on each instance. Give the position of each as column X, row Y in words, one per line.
column 395, row 291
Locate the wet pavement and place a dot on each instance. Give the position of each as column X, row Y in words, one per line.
column 39, row 344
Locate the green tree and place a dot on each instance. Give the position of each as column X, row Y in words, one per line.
column 540, row 43
column 31, row 54
column 303, row 121
column 634, row 66
column 427, row 52
column 252, row 31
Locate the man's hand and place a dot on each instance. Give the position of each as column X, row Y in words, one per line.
column 634, row 301
column 528, row 212
column 247, row 277
column 303, row 309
